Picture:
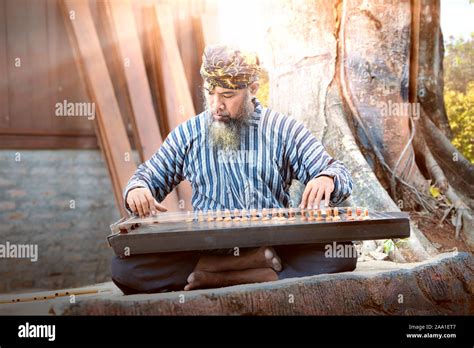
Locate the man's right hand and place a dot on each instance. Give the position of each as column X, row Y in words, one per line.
column 141, row 202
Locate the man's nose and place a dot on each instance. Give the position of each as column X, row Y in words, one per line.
column 217, row 103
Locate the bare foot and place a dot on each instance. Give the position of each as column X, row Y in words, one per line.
column 272, row 259
column 262, row 257
column 203, row 280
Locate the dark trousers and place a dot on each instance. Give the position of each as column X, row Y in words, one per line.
column 163, row 272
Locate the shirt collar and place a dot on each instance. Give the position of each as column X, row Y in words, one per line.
column 254, row 118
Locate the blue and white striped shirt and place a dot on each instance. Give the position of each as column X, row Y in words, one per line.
column 274, row 150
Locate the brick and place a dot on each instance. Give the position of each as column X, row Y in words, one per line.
column 5, row 182
column 16, row 216
column 67, row 238
column 7, row 206
column 16, row 193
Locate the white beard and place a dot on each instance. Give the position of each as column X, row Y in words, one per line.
column 227, row 135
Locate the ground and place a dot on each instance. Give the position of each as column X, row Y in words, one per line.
column 441, row 235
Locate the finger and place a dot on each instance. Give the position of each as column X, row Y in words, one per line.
column 306, row 192
column 318, row 198
column 160, row 207
column 145, row 207
column 137, row 203
column 327, row 195
column 151, row 202
column 312, row 196
column 132, row 206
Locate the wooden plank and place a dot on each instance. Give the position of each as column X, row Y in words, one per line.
column 200, row 44
column 151, row 58
column 27, row 62
column 18, row 142
column 4, row 82
column 115, row 64
column 33, row 87
column 19, row 62
column 210, row 28
column 143, row 120
column 53, row 132
column 65, row 81
column 38, row 65
column 115, row 144
column 176, row 97
column 190, row 39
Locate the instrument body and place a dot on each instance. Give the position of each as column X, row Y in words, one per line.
column 190, row 231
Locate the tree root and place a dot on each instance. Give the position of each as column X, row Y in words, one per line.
column 463, row 213
column 449, row 158
column 369, row 190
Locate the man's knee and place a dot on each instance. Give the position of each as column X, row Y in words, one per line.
column 347, row 264
column 313, row 259
column 150, row 273
column 344, row 255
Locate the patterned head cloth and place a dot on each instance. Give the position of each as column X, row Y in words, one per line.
column 229, row 67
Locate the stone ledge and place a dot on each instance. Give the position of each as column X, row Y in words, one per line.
column 441, row 286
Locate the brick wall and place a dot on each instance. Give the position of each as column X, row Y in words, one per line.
column 38, row 191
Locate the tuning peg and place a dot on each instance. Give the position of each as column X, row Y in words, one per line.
column 328, row 214
column 253, row 215
column 237, row 215
column 291, row 214
column 244, row 215
column 219, row 216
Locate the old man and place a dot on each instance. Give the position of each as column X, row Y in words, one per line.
column 273, row 149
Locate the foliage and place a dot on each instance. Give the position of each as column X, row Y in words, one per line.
column 388, row 246
column 263, row 90
column 459, row 93
column 460, row 109
column 458, row 64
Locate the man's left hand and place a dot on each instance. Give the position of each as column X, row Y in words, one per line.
column 315, row 190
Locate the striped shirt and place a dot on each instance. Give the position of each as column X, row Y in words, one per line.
column 274, row 150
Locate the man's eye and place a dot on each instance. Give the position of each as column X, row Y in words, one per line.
column 228, row 96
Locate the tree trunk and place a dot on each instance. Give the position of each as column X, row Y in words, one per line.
column 343, row 69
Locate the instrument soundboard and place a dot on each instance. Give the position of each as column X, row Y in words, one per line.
column 184, row 231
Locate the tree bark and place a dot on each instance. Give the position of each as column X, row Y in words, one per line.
column 342, row 68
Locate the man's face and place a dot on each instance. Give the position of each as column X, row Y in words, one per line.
column 228, row 104
column 229, row 110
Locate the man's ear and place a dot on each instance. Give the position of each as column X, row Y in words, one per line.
column 253, row 87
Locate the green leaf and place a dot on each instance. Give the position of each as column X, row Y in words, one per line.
column 435, row 191
column 388, row 246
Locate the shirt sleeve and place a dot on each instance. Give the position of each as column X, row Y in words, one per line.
column 163, row 171
column 309, row 160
